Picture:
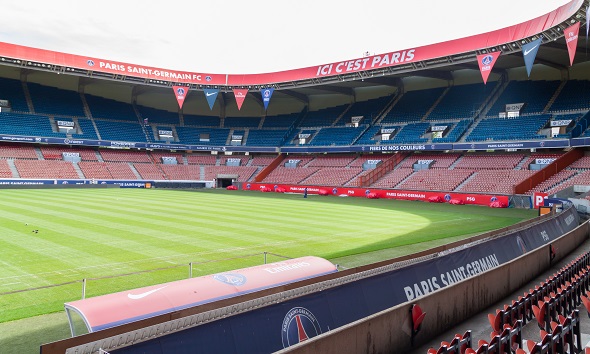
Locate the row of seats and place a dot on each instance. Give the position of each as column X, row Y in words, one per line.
column 496, row 129
column 115, row 120
column 469, row 173
column 552, row 305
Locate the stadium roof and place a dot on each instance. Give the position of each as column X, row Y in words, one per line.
column 437, row 61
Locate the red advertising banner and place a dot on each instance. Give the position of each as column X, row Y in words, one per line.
column 180, row 92
column 539, row 199
column 486, row 64
column 240, row 95
column 571, row 40
column 477, row 199
column 108, row 66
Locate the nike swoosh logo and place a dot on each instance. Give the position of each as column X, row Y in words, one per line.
column 210, row 94
column 142, row 295
column 526, row 52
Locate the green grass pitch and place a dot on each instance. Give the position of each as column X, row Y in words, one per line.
column 100, row 233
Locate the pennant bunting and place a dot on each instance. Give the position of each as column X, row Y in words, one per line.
column 180, row 92
column 486, row 64
column 211, row 95
column 529, row 52
column 240, row 95
column 571, row 40
column 266, row 95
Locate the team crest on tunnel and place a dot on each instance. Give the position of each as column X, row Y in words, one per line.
column 231, row 278
column 299, row 325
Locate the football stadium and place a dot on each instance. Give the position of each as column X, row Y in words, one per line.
column 367, row 205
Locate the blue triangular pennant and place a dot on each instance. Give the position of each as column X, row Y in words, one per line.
column 266, row 95
column 529, row 52
column 211, row 95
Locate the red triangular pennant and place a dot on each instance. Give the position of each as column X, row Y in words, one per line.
column 180, row 92
column 571, row 40
column 240, row 95
column 486, row 63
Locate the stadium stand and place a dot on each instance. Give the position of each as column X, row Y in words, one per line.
column 435, row 180
column 412, row 106
column 393, row 178
column 17, row 151
column 456, row 132
column 54, row 101
column 241, row 122
column 244, row 173
column 575, row 95
column 27, row 124
column 120, row 131
column 88, row 131
column 149, row 171
column 495, row 181
column 201, row 121
column 367, row 111
column 125, row 156
column 336, row 136
column 5, row 171
column 265, row 137
column 332, row 176
column 535, row 95
column 12, row 90
column 280, row 121
column 324, row 117
column 200, row 159
column 56, row 152
column 370, row 135
column 105, row 108
column 461, row 101
column 289, row 175
column 411, row 133
column 159, row 116
column 202, row 136
column 522, row 128
column 182, row 172
column 45, row 169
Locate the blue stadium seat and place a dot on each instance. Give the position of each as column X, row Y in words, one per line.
column 13, row 123
column 120, row 131
column 12, row 90
column 520, row 128
column 105, row 108
column 412, row 106
column 241, row 122
column 51, row 100
column 158, row 115
column 536, row 95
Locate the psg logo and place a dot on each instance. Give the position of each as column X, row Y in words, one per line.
column 90, row 62
column 248, row 186
column 180, row 91
column 447, row 197
column 208, row 78
column 266, row 93
column 335, row 191
column 487, row 60
column 231, row 278
column 299, row 325
column 367, row 192
column 493, row 199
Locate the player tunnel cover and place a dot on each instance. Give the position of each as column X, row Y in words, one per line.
column 115, row 309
